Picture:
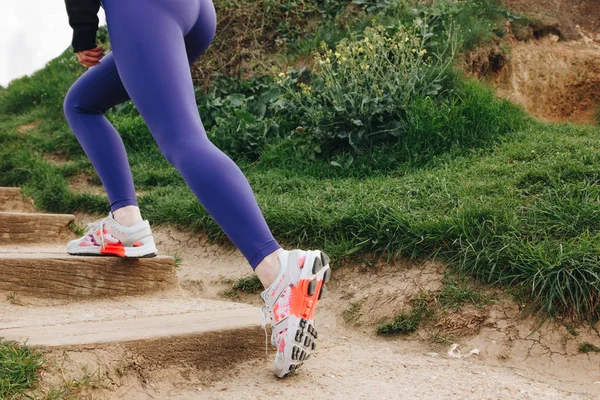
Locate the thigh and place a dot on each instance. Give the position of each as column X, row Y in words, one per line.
column 99, row 88
column 151, row 57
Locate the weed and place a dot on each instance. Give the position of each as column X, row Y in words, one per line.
column 441, row 338
column 12, row 298
column 586, row 347
column 226, row 281
column 362, row 90
column 352, row 314
column 402, row 324
column 77, row 228
column 230, row 294
column 177, row 260
column 572, row 330
column 72, row 389
column 456, row 292
column 249, row 284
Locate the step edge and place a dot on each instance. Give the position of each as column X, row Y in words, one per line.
column 223, row 324
column 18, row 214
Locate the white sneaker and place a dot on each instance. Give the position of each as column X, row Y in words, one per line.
column 109, row 238
column 291, row 301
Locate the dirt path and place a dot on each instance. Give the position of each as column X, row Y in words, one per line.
column 350, row 362
column 350, row 365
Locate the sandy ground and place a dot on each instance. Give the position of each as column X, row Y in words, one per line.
column 352, row 362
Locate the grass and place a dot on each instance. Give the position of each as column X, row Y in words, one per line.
column 402, row 324
column 19, row 366
column 457, row 292
column 441, row 338
column 177, row 260
column 250, row 284
column 352, row 314
column 521, row 213
column 586, row 347
column 428, row 308
column 72, row 389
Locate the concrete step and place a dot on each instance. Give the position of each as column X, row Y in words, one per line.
column 27, row 228
column 129, row 319
column 11, row 200
column 48, row 272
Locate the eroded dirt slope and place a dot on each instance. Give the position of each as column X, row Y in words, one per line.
column 549, row 62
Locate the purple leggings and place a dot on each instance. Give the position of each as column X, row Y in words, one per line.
column 154, row 42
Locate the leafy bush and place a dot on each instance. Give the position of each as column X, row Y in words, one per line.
column 386, row 91
column 361, row 92
column 477, row 21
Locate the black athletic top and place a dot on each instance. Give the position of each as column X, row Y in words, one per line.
column 83, row 18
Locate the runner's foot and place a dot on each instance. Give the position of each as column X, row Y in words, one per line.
column 291, row 301
column 109, row 238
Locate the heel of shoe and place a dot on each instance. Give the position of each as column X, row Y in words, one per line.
column 146, row 250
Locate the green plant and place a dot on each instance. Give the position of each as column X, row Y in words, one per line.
column 402, row 324
column 441, row 338
column 77, row 229
column 72, row 389
column 363, row 89
column 456, row 292
column 586, row 347
column 352, row 314
column 19, row 366
column 478, row 21
column 177, row 260
column 249, row 284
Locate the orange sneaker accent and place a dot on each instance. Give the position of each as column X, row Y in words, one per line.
column 303, row 305
column 137, row 244
column 114, row 249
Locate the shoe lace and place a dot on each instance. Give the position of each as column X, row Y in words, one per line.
column 265, row 312
column 98, row 226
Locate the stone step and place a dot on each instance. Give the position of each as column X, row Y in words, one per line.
column 130, row 319
column 42, row 273
column 27, row 228
column 11, row 200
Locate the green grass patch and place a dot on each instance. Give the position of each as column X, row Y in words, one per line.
column 586, row 347
column 19, row 366
column 249, row 284
column 456, row 292
column 401, row 325
column 442, row 338
column 74, row 389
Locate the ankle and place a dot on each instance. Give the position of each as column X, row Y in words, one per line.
column 268, row 269
column 128, row 215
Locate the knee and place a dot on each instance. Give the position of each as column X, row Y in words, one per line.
column 75, row 103
column 181, row 154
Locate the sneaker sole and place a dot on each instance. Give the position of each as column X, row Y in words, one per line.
column 301, row 331
column 146, row 251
